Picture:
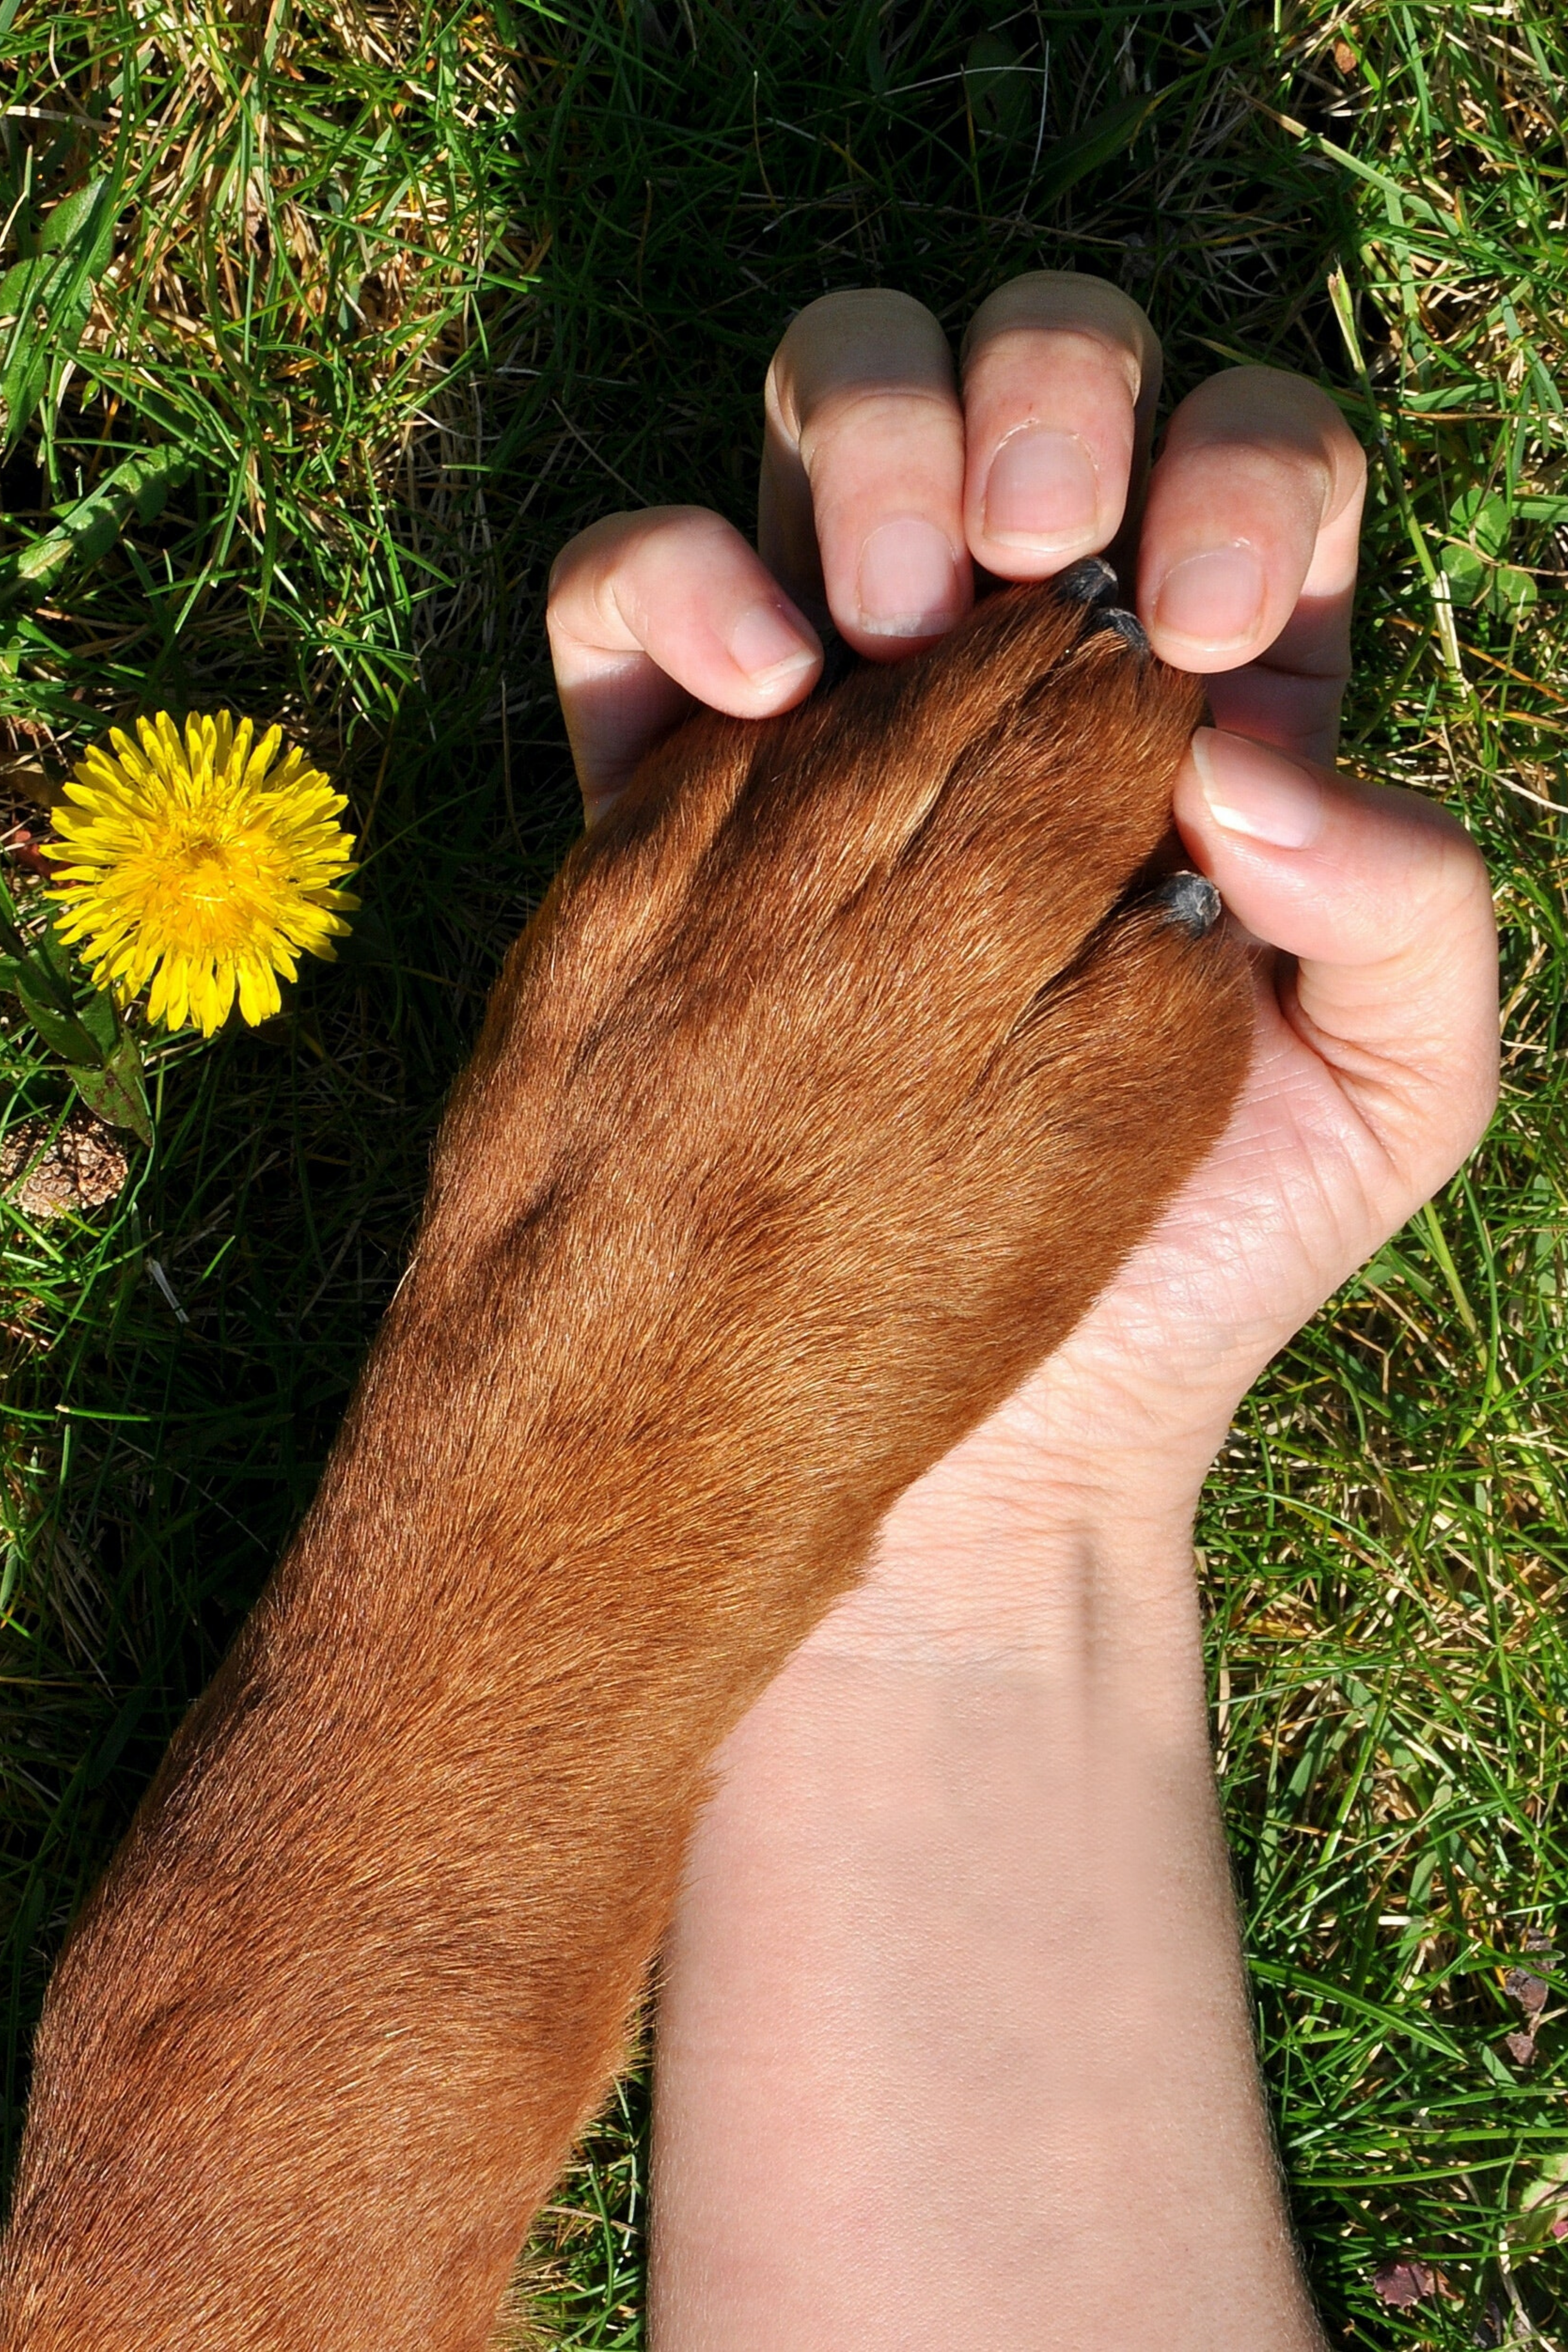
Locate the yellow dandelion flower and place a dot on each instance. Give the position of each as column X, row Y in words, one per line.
column 205, row 864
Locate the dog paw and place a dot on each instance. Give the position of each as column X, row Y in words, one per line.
column 875, row 1033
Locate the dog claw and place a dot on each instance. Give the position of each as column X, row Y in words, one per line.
column 1191, row 900
column 1092, row 583
column 1090, row 580
column 1127, row 626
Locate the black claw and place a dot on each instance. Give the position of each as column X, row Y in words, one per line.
column 1191, row 900
column 1090, row 580
column 1127, row 626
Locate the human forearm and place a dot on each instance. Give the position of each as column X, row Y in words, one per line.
column 954, row 1965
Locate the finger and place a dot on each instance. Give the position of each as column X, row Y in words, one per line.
column 1385, row 902
column 1291, row 696
column 1061, row 375
column 860, row 505
column 649, row 612
column 1250, row 540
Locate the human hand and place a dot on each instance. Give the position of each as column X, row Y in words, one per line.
column 1373, row 1073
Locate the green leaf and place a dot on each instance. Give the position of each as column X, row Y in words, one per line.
column 42, row 968
column 47, row 297
column 1467, row 573
column 1543, row 2207
column 98, row 1018
column 82, row 1027
column 997, row 86
column 49, row 951
column 117, row 1093
column 150, row 476
column 83, row 222
column 1483, row 516
column 31, row 343
column 16, row 285
column 140, row 484
column 61, row 1032
column 1513, row 592
column 1072, row 159
column 1481, row 521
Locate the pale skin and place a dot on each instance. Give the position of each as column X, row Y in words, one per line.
column 954, row 2041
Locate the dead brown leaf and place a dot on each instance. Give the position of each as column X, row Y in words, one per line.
column 1404, row 2280
column 61, row 1171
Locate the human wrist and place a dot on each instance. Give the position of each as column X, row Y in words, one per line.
column 976, row 1563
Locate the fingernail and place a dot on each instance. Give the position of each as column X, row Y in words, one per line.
column 908, row 582
column 1254, row 790
column 768, row 644
column 1043, row 491
column 1213, row 600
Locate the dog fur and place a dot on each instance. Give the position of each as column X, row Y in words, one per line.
column 841, row 1067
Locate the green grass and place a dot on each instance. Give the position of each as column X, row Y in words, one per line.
column 395, row 301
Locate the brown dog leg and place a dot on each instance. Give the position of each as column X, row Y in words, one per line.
column 834, row 1078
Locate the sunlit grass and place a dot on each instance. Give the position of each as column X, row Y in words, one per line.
column 379, row 307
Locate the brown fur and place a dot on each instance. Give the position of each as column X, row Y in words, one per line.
column 827, row 1090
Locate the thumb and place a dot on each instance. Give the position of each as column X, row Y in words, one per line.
column 1384, row 901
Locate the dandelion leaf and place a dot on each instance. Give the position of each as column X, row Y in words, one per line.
column 116, row 1092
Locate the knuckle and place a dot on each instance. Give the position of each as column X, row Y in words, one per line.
column 1446, row 891
column 1460, row 875
column 560, row 574
column 860, row 306
column 1082, row 346
column 609, row 579
column 1062, row 300
column 877, row 419
column 1275, row 410
column 858, row 334
column 584, row 551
